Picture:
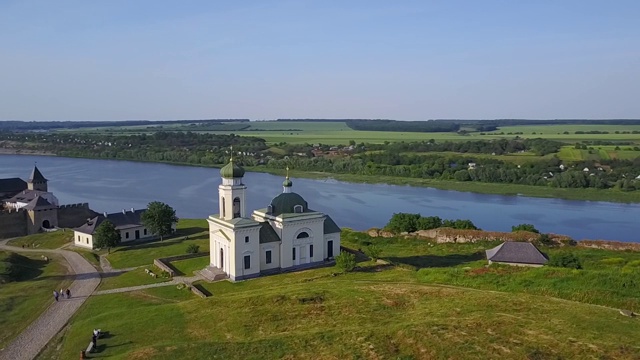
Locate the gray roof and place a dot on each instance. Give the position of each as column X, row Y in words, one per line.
column 12, row 185
column 121, row 220
column 39, row 203
column 25, row 196
column 36, row 176
column 267, row 234
column 285, row 203
column 330, row 226
column 517, row 252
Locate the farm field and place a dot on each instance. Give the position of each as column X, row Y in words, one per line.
column 336, row 133
column 378, row 311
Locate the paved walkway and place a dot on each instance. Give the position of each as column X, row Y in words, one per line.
column 31, row 341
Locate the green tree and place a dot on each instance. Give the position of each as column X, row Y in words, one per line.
column 106, row 236
column 346, row 261
column 159, row 218
column 525, row 227
column 401, row 222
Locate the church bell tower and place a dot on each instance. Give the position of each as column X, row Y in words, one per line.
column 231, row 193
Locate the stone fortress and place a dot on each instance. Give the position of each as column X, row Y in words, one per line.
column 27, row 207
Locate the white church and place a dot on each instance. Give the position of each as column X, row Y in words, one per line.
column 283, row 236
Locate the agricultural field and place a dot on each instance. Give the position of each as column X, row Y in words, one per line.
column 599, row 152
column 336, row 133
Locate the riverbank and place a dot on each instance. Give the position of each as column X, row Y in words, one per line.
column 588, row 194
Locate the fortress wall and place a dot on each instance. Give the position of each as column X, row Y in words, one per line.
column 13, row 224
column 74, row 215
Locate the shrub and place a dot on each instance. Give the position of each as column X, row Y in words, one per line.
column 525, row 227
column 193, row 249
column 545, row 240
column 346, row 261
column 373, row 251
column 566, row 260
column 613, row 261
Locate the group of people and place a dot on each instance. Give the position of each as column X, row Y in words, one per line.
column 63, row 293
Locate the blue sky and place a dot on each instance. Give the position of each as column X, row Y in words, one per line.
column 407, row 60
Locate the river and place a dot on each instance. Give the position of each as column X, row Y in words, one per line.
column 111, row 186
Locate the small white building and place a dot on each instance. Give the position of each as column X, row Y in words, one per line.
column 285, row 235
column 128, row 223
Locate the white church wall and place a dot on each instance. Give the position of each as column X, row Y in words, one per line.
column 274, row 248
column 291, row 229
column 242, row 248
column 335, row 239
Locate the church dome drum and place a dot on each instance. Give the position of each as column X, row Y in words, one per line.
column 287, row 203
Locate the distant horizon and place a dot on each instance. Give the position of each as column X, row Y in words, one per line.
column 413, row 60
column 334, row 119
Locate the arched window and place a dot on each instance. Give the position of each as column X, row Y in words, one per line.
column 270, row 209
column 236, row 207
column 297, row 209
column 302, row 235
column 224, row 208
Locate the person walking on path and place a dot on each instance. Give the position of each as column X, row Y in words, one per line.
column 68, row 293
column 62, row 293
column 55, row 295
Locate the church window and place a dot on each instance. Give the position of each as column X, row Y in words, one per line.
column 246, row 239
column 224, row 208
column 236, row 207
column 270, row 209
column 247, row 262
column 302, row 235
column 297, row 209
column 294, row 253
column 268, row 257
column 311, row 251
column 78, row 238
column 126, row 235
column 87, row 240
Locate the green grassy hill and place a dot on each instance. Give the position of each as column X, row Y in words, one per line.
column 431, row 301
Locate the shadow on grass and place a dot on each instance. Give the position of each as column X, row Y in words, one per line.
column 434, row 261
column 202, row 289
column 190, row 231
column 23, row 268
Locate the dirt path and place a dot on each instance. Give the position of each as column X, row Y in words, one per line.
column 31, row 341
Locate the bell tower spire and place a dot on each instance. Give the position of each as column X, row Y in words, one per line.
column 232, row 192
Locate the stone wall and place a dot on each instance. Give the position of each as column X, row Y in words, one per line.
column 165, row 263
column 448, row 235
column 13, row 224
column 74, row 215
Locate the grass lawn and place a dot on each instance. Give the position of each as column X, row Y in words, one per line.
column 130, row 278
column 363, row 315
column 52, row 240
column 188, row 266
column 23, row 300
column 92, row 256
column 608, row 277
column 190, row 231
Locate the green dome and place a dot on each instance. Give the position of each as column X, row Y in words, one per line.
column 287, row 182
column 286, row 202
column 232, row 170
